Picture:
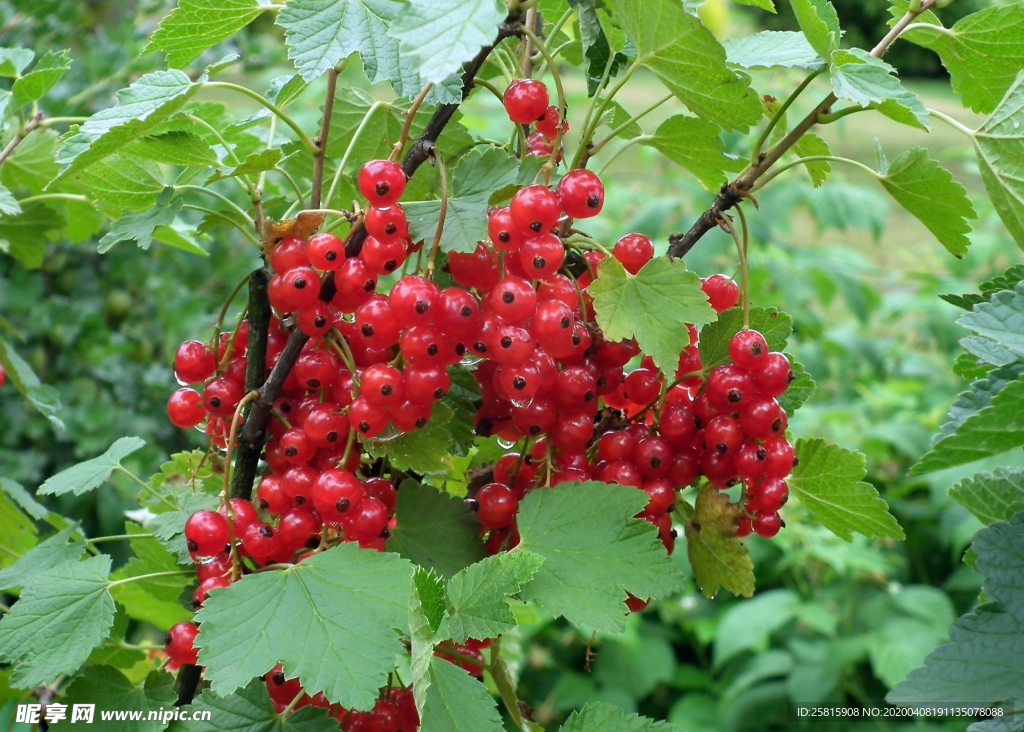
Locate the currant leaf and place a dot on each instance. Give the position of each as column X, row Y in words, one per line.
column 329, row 620
column 594, row 553
column 154, row 600
column 602, row 717
column 652, row 306
column 810, row 145
column 827, row 480
column 196, row 25
column 800, row 389
column 16, row 541
column 425, row 451
column 24, row 236
column 718, row 559
column 426, row 614
column 476, row 595
column 695, row 145
column 1001, row 319
column 16, row 491
column 992, row 497
column 108, row 688
column 42, row 397
column 773, row 49
column 34, row 85
column 142, row 227
column 457, row 702
column 999, row 145
column 65, row 613
column 92, row 473
column 1008, row 280
column 774, row 325
column 250, row 710
column 121, row 183
column 47, row 554
column 871, row 82
column 820, row 24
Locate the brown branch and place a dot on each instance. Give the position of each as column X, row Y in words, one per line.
column 33, row 123
column 186, row 683
column 247, row 456
column 321, row 141
column 734, row 192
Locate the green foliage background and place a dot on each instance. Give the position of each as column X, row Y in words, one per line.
column 859, row 277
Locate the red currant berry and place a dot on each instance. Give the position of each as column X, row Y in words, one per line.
column 458, row 313
column 662, row 495
column 179, row 643
column 297, row 448
column 768, row 496
column 325, row 425
column 203, row 591
column 541, row 256
column 572, row 432
column 633, row 251
column 750, row 462
column 548, row 124
column 289, row 253
column 260, row 542
column 767, row 525
column 723, row 434
column 743, row 527
column 314, row 321
column 575, row 389
column 221, row 396
column 387, row 223
column 356, row 283
column 653, row 457
column 185, row 408
column 369, row 522
column 677, row 425
column 337, row 494
column 271, row 496
column 381, row 182
column 520, row 381
column 729, row 388
column 722, row 292
column 503, row 232
column 685, row 468
column 242, row 514
column 779, row 457
column 763, row 418
column 376, row 324
column 581, row 194
column 540, row 146
column 618, row 445
column 414, row 300
column 382, row 385
column 514, row 300
column 383, row 256
column 538, row 417
column 206, row 533
column 621, row 472
column 383, row 490
column 748, row 349
column 409, row 416
column 366, row 419
column 193, row 363
column 496, row 506
column 316, row 369
column 326, row 251
column 301, row 286
column 774, row 376
column 219, row 566
column 479, row 269
column 422, row 346
column 526, row 101
column 535, row 209
column 281, row 691
column 643, row 386
column 718, row 468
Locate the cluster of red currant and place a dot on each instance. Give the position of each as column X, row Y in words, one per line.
column 526, row 102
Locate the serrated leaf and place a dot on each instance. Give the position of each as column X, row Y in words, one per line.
column 983, row 52
column 16, row 491
column 992, row 497
column 928, row 191
column 970, row 367
column 112, row 653
column 435, row 530
column 19, row 535
column 713, row 345
column 64, row 614
column 982, row 663
column 31, row 164
column 47, row 554
column 254, row 163
column 141, row 227
column 988, row 351
column 828, row 482
column 92, row 473
column 652, row 306
column 175, row 148
column 1001, row 319
column 820, row 24
column 602, row 717
column 14, row 60
column 463, row 393
column 153, row 600
column 424, row 451
column 476, row 595
column 616, row 117
column 141, row 108
column 329, row 620
column 695, row 145
column 184, row 485
column 476, row 176
column 9, row 205
column 594, row 553
column 121, row 182
column 24, row 236
column 196, row 25
column 719, row 560
column 597, row 50
column 773, row 49
column 34, row 85
column 999, row 145
column 250, row 710
column 440, row 35
column 870, row 82
column 979, row 396
column 689, row 60
column 108, row 688
column 810, row 145
column 41, row 396
column 178, row 236
column 457, row 702
column 800, row 389
column 426, row 614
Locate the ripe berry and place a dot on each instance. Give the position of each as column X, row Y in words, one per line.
column 633, row 251
column 479, row 269
column 356, row 283
column 297, row 448
column 729, row 388
column 662, row 495
column 750, row 462
column 242, row 514
column 748, row 349
column 621, row 472
column 526, row 101
column 315, row 321
column 185, row 408
column 519, row 381
column 281, row 691
column 386, row 223
column 366, row 419
column 260, row 542
column 219, row 566
column 538, row 417
column 179, row 643
column 685, row 468
column 503, row 232
column 376, row 324
column 457, row 314
column 653, row 457
column 382, row 385
column 722, row 292
column 496, row 506
column 336, row 494
column 763, row 418
column 422, row 346
column 642, row 386
column 539, row 145
column 297, row 484
column 206, row 533
column 201, row 593
column 271, row 496
column 409, row 416
column 289, row 253
column 767, row 525
column 193, row 363
column 326, row 251
column 535, row 208
column 774, row 376
column 325, row 425
column 723, row 434
column 221, row 396
column 618, row 445
column 301, row 286
column 541, row 256
column 383, row 256
column 561, row 288
column 513, row 345
column 779, row 457
column 547, row 125
column 414, row 300
column 581, row 194
column 514, row 300
column 368, row 522
column 572, row 432
column 575, row 389
column 677, row 425
column 316, row 369
column 381, row 182
column 768, row 496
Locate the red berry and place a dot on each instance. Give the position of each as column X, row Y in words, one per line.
column 526, row 101
column 621, row 472
column 768, row 496
column 779, row 457
column 750, row 462
column 201, row 593
column 457, row 314
column 743, row 527
column 767, row 525
column 723, row 434
column 677, row 425
column 316, row 320
column 633, row 251
column 685, row 468
column 618, row 445
column 536, row 418
column 221, row 396
column 535, row 208
column 382, row 385
column 376, row 324
column 422, row 346
column 242, row 513
column 539, row 145
column 326, row 251
column 643, row 386
column 729, row 388
column 297, row 484
column 281, row 691
column 581, row 194
column 503, row 232
column 193, row 363
column 383, row 256
column 572, row 432
column 271, row 496
column 301, row 287
column 316, row 369
column 409, row 416
column 297, row 448
column 426, row 384
column 206, row 533
column 337, row 494
column 179, row 643
column 747, row 349
column 575, row 389
column 260, row 542
column 514, row 300
column 325, row 425
column 368, row 522
column 289, row 253
column 722, row 292
column 541, row 256
column 774, row 376
column 548, row 124
column 387, row 223
column 662, row 495
column 381, row 182
column 185, row 408
column 366, row 419
column 356, row 283
column 414, row 300
column 298, row 526
column 496, row 506
column 520, row 381
column 479, row 269
column 763, row 418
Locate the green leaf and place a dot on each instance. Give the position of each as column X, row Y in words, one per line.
column 256, row 162
column 93, row 473
column 828, row 482
column 773, row 49
column 810, row 145
column 763, row 4
column 719, row 560
column 121, row 182
column 177, row 235
column 9, row 205
column 108, row 688
column 476, row 176
column 424, row 451
column 602, row 717
column 141, row 108
column 616, row 116
column 594, row 553
column 14, row 60
column 869, row 81
column 31, row 163
column 141, row 227
column 800, row 389
column 928, row 191
column 112, row 653
column 195, row 25
column 329, row 620
column 153, row 600
column 250, row 710
column 175, row 148
column 597, row 51
column 463, row 393
column 457, row 702
column 184, row 485
column 442, row 34
column 820, row 24
column 41, row 396
column 746, row 626
column 64, row 614
column 979, row 396
column 426, row 614
column 982, row 663
column 18, row 537
column 983, row 52
column 695, row 145
column 24, row 499
column 24, row 236
column 689, row 61
column 476, row 595
column 435, row 530
column 46, row 555
column 970, row 367
column 34, row 85
column 993, row 496
column 999, row 145
column 652, row 306
column 1001, row 319
column 713, row 344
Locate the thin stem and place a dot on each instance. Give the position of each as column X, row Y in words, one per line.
column 220, row 320
column 325, row 127
column 827, row 119
column 605, row 76
column 503, row 681
column 119, row 537
column 620, row 150
column 773, row 123
column 151, row 575
column 743, row 253
column 436, row 244
column 217, row 136
column 583, row 153
column 562, row 107
column 36, row 120
column 51, row 121
column 295, row 186
column 410, row 114
column 55, row 197
column 303, row 137
column 632, row 120
column 810, row 159
column 941, row 30
column 234, row 224
column 220, row 197
column 351, row 146
column 951, row 122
